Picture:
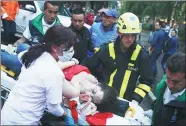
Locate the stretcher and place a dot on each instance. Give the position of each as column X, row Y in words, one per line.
column 7, row 83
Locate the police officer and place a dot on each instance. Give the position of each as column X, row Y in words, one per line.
column 124, row 61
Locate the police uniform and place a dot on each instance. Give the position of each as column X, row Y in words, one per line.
column 122, row 69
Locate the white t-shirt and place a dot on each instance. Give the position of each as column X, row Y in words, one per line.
column 27, row 34
column 38, row 85
column 169, row 97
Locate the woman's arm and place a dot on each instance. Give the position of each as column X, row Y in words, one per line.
column 56, row 109
column 64, row 65
column 70, row 90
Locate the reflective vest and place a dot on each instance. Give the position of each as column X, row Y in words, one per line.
column 142, row 89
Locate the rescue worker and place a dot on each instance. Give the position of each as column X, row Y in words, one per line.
column 40, row 84
column 123, row 61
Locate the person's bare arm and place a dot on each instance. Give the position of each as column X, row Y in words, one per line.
column 64, row 65
column 21, row 40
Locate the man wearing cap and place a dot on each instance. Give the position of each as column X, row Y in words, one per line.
column 104, row 31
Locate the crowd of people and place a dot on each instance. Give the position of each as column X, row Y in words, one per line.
column 111, row 65
column 162, row 38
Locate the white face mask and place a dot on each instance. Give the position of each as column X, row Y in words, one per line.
column 67, row 55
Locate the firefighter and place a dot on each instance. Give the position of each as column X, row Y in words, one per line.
column 124, row 61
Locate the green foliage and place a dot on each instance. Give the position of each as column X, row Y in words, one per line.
column 146, row 26
column 162, row 9
column 180, row 11
column 181, row 34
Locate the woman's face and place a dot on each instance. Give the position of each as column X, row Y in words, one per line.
column 58, row 52
column 67, row 55
column 98, row 94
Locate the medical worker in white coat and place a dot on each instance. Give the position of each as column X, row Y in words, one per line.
column 40, row 82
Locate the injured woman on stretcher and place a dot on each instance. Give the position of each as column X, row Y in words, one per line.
column 87, row 101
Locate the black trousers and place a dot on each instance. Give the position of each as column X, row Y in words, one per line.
column 9, row 27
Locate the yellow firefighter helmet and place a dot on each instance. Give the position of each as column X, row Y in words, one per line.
column 128, row 23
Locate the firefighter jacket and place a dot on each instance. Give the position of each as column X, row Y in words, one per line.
column 122, row 69
column 11, row 8
column 171, row 114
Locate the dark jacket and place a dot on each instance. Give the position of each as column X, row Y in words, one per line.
column 172, row 45
column 36, row 29
column 158, row 40
column 83, row 43
column 141, row 68
column 171, row 114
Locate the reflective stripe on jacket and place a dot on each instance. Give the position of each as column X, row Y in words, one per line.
column 120, row 71
column 142, row 88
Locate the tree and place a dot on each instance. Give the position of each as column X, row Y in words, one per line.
column 154, row 9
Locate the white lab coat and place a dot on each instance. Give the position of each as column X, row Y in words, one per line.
column 38, row 85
